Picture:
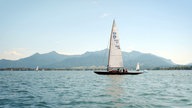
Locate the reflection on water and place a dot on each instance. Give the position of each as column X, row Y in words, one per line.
column 115, row 89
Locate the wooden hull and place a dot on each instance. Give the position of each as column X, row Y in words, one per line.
column 117, row 73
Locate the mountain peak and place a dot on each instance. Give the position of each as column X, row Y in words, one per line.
column 53, row 52
column 135, row 51
column 36, row 54
column 96, row 52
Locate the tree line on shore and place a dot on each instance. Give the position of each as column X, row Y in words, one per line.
column 179, row 67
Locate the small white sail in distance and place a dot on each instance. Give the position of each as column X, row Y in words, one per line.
column 37, row 68
column 137, row 67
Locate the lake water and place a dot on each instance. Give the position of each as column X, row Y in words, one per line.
column 85, row 89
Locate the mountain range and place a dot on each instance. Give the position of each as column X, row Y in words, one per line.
column 88, row 59
column 190, row 64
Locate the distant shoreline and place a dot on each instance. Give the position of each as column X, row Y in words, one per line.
column 90, row 69
column 46, row 69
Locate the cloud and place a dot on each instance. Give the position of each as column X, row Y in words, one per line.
column 13, row 54
column 105, row 15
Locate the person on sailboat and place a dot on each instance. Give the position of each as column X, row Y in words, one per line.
column 124, row 70
column 118, row 70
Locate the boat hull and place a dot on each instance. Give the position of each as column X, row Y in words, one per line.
column 117, row 73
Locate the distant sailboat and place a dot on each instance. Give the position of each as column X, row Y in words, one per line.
column 37, row 68
column 137, row 67
column 115, row 61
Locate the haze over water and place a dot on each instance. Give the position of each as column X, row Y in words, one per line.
column 73, row 89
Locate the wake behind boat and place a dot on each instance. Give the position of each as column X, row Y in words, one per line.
column 115, row 61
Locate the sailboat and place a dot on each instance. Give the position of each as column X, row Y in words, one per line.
column 115, row 61
column 37, row 68
column 137, row 67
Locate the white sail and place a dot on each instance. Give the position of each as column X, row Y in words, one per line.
column 37, row 68
column 115, row 56
column 137, row 67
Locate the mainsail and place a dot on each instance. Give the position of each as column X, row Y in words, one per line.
column 115, row 56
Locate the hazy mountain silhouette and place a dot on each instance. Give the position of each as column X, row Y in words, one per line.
column 97, row 58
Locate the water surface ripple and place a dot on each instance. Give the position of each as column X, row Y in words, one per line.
column 84, row 89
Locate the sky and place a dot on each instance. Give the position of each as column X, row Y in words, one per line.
column 160, row 27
